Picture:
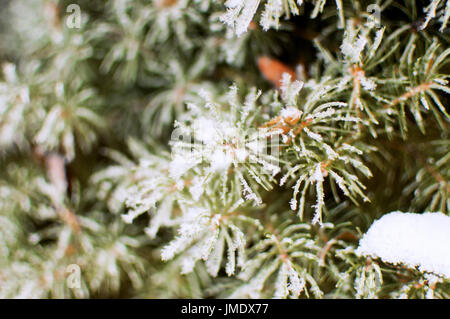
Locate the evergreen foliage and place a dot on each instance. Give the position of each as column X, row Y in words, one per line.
column 208, row 148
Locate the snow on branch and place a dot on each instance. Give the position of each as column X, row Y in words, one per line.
column 415, row 240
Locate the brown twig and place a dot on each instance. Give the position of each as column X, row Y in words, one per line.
column 415, row 90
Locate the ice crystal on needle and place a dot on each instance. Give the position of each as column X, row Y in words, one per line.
column 218, row 138
column 240, row 13
column 206, row 231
